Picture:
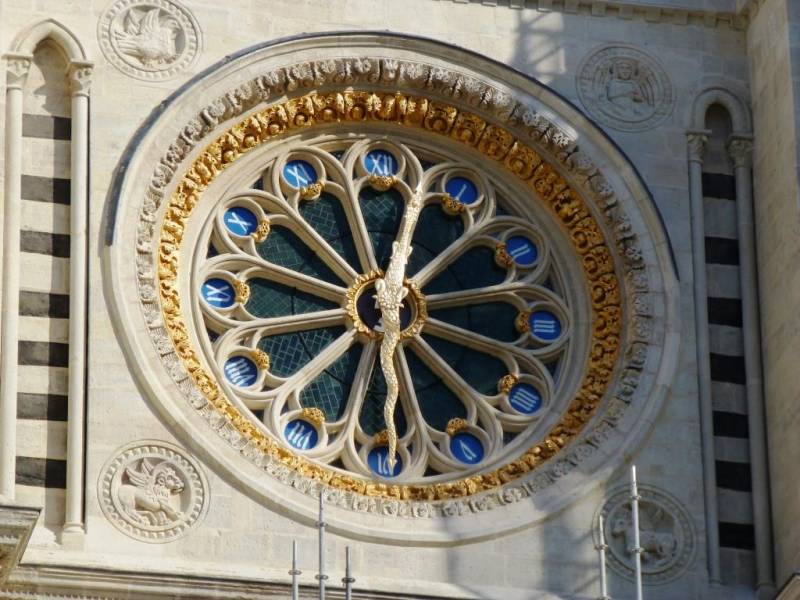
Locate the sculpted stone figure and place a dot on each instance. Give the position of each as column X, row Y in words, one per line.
column 657, row 546
column 147, row 497
column 627, row 90
column 148, row 38
column 152, row 491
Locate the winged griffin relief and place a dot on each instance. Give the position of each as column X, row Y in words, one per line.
column 148, row 37
column 147, row 497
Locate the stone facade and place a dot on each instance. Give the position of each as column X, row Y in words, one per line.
column 143, row 86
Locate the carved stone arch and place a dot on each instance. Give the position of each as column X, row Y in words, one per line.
column 271, row 92
column 26, row 41
column 726, row 95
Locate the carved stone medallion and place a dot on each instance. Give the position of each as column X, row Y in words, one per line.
column 666, row 535
column 153, row 491
column 149, row 39
column 625, row 88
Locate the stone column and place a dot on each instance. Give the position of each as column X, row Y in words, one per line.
column 697, row 144
column 80, row 78
column 17, row 66
column 740, row 149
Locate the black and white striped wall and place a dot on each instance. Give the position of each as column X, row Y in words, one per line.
column 728, row 392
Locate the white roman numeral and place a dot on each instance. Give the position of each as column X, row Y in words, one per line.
column 525, row 398
column 234, row 219
column 469, row 453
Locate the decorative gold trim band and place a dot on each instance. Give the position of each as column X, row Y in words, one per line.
column 438, row 118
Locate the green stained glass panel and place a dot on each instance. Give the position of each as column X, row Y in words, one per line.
column 289, row 352
column 435, row 231
column 382, row 213
column 285, row 249
column 328, row 218
column 330, row 390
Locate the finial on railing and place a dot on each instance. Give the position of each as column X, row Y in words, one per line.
column 321, row 576
column 637, row 548
column 295, row 573
column 601, row 548
column 348, row 580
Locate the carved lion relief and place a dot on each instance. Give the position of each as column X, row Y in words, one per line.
column 149, row 39
column 666, row 535
column 625, row 88
column 153, row 491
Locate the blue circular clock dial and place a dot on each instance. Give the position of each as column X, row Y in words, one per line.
column 240, row 221
column 241, row 371
column 522, row 250
column 544, row 325
column 525, row 398
column 462, row 189
column 378, row 461
column 467, row 448
column 380, row 162
column 218, row 293
column 299, row 174
column 301, row 434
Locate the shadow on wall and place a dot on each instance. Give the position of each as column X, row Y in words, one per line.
column 556, row 556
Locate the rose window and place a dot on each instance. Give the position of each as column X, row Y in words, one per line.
column 288, row 301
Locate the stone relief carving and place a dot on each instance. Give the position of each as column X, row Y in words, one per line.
column 149, row 39
column 666, row 535
column 16, row 527
column 153, row 491
column 542, row 132
column 625, row 88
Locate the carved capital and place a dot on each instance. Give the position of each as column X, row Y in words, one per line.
column 80, row 77
column 740, row 149
column 16, row 526
column 697, row 140
column 17, row 67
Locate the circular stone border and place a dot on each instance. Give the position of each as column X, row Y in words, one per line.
column 600, row 58
column 189, row 471
column 618, row 497
column 504, row 99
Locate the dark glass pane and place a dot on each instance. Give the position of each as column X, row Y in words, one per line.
column 326, row 215
column 480, row 370
column 371, row 417
column 437, row 402
column 330, row 389
column 382, row 214
column 475, row 268
column 289, row 352
column 492, row 319
column 435, row 231
column 285, row 249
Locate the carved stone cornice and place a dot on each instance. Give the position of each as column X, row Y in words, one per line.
column 80, row 77
column 740, row 149
column 697, row 140
column 673, row 15
column 17, row 67
column 16, row 526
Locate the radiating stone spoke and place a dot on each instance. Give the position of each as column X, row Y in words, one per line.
column 470, row 339
column 289, row 323
column 512, row 293
column 258, row 267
